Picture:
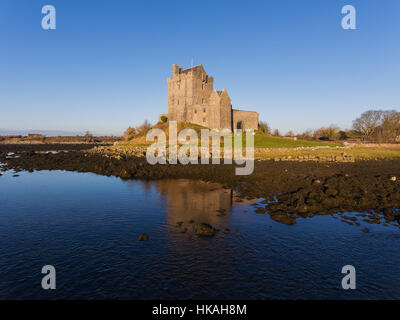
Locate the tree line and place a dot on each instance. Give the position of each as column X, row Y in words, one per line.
column 371, row 126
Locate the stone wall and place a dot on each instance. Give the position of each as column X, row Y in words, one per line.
column 245, row 119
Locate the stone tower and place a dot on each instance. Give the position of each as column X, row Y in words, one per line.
column 192, row 98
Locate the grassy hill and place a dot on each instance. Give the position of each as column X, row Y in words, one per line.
column 261, row 140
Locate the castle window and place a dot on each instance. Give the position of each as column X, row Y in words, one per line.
column 178, row 101
column 204, row 119
column 202, row 101
column 204, row 109
column 195, row 110
column 202, row 86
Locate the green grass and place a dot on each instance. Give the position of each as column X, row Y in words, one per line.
column 358, row 152
column 266, row 141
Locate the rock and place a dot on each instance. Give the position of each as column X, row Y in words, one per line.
column 393, row 178
column 260, row 210
column 349, row 218
column 179, row 224
column 204, row 229
column 348, row 222
column 387, row 212
column 191, row 221
column 226, row 231
column 302, row 209
column 188, row 237
column 390, row 218
column 125, row 174
column 366, row 230
column 372, row 221
column 15, row 175
column 331, row 192
column 143, row 237
column 283, row 218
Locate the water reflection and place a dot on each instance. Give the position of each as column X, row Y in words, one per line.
column 190, row 201
column 200, row 201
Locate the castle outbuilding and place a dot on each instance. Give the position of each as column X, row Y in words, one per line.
column 192, row 98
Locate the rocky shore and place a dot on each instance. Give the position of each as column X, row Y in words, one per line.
column 141, row 152
column 287, row 190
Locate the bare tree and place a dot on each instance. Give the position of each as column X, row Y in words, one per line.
column 327, row 133
column 343, row 135
column 141, row 130
column 368, row 122
column 88, row 136
column 264, row 127
column 390, row 127
column 276, row 133
column 306, row 135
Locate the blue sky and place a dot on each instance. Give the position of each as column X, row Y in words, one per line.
column 105, row 66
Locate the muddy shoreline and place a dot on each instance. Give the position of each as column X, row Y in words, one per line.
column 288, row 190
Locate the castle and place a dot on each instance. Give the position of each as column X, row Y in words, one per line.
column 192, row 98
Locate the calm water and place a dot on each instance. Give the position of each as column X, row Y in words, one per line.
column 87, row 225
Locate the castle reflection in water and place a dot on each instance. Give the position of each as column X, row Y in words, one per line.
column 194, row 200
